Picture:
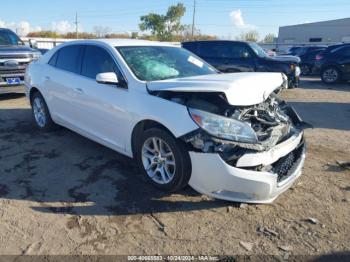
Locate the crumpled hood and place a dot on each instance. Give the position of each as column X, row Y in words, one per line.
column 241, row 89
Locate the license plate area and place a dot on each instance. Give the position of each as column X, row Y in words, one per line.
column 13, row 81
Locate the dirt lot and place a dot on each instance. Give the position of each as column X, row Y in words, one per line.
column 63, row 194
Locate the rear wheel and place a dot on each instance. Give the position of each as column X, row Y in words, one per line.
column 164, row 161
column 41, row 113
column 330, row 75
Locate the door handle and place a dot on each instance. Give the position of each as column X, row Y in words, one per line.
column 78, row 90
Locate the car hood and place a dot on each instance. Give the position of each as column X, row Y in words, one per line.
column 16, row 48
column 286, row 58
column 241, row 89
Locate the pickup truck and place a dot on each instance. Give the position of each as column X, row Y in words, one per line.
column 14, row 59
column 241, row 56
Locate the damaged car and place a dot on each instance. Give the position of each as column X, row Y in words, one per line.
column 228, row 136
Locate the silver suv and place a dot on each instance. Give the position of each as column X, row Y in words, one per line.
column 14, row 58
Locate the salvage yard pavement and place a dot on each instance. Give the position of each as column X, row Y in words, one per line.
column 63, row 194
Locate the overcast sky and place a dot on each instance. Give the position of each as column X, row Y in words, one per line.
column 224, row 18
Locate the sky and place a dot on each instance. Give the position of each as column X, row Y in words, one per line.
column 223, row 18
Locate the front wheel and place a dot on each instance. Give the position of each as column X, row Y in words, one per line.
column 330, row 75
column 164, row 161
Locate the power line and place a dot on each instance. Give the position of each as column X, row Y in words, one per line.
column 193, row 17
column 76, row 25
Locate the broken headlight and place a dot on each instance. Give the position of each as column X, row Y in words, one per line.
column 223, row 127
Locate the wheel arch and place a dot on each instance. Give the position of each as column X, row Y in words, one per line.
column 330, row 65
column 142, row 126
column 32, row 91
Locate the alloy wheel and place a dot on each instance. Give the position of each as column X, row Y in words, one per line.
column 158, row 160
column 330, row 75
column 39, row 112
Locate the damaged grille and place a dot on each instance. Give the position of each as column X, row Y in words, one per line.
column 285, row 165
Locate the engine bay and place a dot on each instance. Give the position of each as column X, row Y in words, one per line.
column 273, row 121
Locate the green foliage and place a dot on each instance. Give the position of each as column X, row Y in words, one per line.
column 251, row 36
column 69, row 35
column 164, row 27
column 269, row 38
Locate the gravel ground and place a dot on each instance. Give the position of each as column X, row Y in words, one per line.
column 63, row 194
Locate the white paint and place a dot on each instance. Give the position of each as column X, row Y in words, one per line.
column 241, row 89
column 108, row 113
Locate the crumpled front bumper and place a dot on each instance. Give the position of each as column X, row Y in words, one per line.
column 212, row 176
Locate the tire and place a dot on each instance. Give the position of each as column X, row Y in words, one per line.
column 41, row 114
column 169, row 168
column 330, row 75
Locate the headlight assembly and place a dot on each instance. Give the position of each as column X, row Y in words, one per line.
column 223, row 127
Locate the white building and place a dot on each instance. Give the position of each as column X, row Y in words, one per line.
column 326, row 32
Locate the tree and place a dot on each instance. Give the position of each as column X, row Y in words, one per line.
column 164, row 27
column 269, row 38
column 101, row 31
column 252, row 36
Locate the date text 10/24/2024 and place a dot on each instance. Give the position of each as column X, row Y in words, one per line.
column 173, row 258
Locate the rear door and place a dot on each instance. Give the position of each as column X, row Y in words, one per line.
column 238, row 57
column 227, row 56
column 62, row 83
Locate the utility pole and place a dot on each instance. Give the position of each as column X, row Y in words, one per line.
column 193, row 18
column 76, row 25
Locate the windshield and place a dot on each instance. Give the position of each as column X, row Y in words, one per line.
column 152, row 63
column 9, row 38
column 258, row 50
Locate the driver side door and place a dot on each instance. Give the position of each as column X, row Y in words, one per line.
column 102, row 108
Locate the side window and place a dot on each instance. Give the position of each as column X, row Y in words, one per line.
column 53, row 59
column 210, row 49
column 239, row 51
column 97, row 60
column 69, row 58
column 192, row 46
column 224, row 50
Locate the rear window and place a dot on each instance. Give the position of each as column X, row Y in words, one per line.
column 69, row 58
column 53, row 59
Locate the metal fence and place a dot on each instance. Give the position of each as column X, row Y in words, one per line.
column 48, row 43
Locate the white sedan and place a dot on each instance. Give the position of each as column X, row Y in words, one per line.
column 226, row 135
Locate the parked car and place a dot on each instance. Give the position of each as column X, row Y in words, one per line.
column 308, row 61
column 14, row 58
column 334, row 63
column 227, row 135
column 270, row 52
column 239, row 56
column 302, row 50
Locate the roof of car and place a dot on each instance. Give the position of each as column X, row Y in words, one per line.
column 208, row 41
column 125, row 42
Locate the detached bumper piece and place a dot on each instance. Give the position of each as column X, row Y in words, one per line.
column 256, row 178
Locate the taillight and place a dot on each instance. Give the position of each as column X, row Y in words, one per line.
column 319, row 57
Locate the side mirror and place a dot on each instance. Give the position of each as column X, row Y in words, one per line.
column 107, row 78
column 245, row 54
column 33, row 43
